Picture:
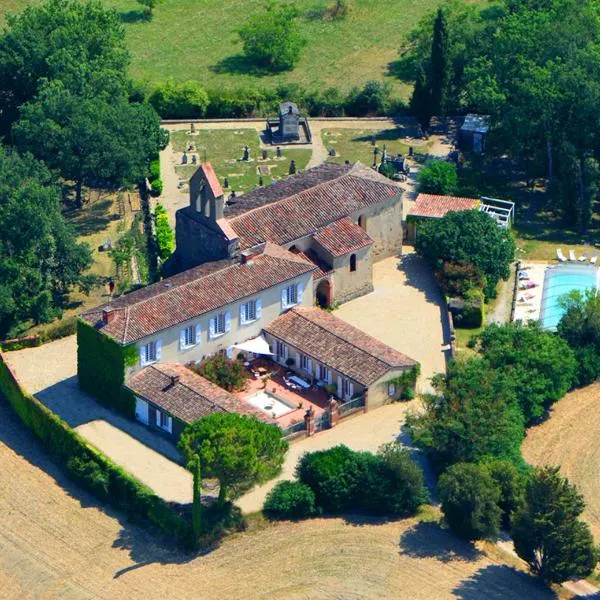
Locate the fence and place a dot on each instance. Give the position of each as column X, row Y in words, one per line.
column 293, row 429
column 351, row 406
column 322, row 422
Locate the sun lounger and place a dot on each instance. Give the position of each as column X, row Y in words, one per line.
column 594, row 258
column 560, row 255
column 572, row 255
column 584, row 256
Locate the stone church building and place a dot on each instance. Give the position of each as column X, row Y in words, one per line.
column 341, row 218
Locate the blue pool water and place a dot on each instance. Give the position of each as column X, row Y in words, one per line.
column 561, row 280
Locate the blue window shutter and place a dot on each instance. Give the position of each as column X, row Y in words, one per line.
column 157, row 413
column 182, row 339
column 158, row 349
column 227, row 321
column 212, row 327
column 198, row 333
column 340, row 390
column 309, row 365
column 142, row 356
column 284, row 298
column 242, row 314
column 300, row 292
column 258, row 308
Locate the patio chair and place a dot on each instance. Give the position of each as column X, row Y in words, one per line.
column 572, row 255
column 560, row 255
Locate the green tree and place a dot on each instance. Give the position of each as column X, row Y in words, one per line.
column 90, row 140
column 372, row 99
column 580, row 327
column 469, row 497
column 511, row 484
column 537, row 365
column 185, row 100
column 40, row 259
column 81, row 44
column 468, row 237
column 149, row 5
column 438, row 177
column 420, row 101
column 471, row 418
column 290, row 500
column 238, row 450
column 272, row 39
column 440, row 65
column 547, row 532
column 197, row 497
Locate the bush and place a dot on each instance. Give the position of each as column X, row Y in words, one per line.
column 511, row 483
column 157, row 188
column 228, row 374
column 290, row 500
column 154, row 169
column 457, row 277
column 334, row 476
column 186, row 100
column 469, row 497
column 60, row 329
column 89, row 467
column 472, row 314
column 438, row 177
column 165, row 236
column 372, row 99
column 272, row 39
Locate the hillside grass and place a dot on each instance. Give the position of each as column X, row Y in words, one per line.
column 197, row 39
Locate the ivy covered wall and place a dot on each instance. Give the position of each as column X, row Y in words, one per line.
column 101, row 365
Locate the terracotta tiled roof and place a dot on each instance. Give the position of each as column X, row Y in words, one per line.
column 337, row 344
column 342, row 237
column 195, row 292
column 191, row 397
column 322, row 269
column 283, row 218
column 212, row 179
column 428, row 205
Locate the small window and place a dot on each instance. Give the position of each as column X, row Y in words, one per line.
column 347, row 388
column 189, row 334
column 249, row 311
column 282, row 351
column 324, row 373
column 353, row 262
column 164, row 421
column 292, row 295
column 149, row 352
column 219, row 325
column 305, row 363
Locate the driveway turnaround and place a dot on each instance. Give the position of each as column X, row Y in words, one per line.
column 50, row 373
column 406, row 311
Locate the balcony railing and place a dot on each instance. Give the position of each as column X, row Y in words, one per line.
column 352, row 405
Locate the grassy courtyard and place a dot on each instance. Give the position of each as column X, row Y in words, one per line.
column 197, row 39
column 224, row 148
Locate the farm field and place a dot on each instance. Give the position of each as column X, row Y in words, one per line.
column 58, row 542
column 197, row 39
column 569, row 438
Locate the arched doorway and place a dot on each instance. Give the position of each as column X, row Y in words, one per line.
column 323, row 293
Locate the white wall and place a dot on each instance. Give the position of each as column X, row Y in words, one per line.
column 271, row 308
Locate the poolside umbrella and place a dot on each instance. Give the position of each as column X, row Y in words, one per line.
column 257, row 345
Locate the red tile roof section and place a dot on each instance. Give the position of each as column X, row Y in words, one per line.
column 337, row 344
column 307, row 211
column 342, row 237
column 322, row 269
column 195, row 292
column 428, row 205
column 212, row 179
column 191, row 397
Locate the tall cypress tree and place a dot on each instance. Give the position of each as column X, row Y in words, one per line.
column 420, row 102
column 440, row 64
column 197, row 501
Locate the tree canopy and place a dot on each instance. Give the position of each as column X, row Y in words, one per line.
column 40, row 259
column 272, row 39
column 536, row 365
column 438, row 177
column 472, row 417
column 238, row 450
column 468, row 237
column 547, row 532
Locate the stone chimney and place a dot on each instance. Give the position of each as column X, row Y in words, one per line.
column 246, row 257
column 174, row 379
column 108, row 315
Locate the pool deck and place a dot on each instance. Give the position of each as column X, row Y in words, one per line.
column 529, row 301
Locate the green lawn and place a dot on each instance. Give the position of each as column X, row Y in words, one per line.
column 224, row 149
column 356, row 144
column 197, row 39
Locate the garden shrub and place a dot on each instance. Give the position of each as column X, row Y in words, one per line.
column 290, row 500
column 101, row 364
column 90, row 468
column 60, row 329
column 228, row 374
column 438, row 177
column 165, row 236
column 154, row 169
column 185, row 100
column 472, row 314
column 157, row 188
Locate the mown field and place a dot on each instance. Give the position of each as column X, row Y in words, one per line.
column 569, row 438
column 197, row 39
column 57, row 542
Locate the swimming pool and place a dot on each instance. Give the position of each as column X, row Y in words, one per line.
column 561, row 280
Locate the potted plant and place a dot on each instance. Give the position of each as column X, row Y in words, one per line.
column 290, row 362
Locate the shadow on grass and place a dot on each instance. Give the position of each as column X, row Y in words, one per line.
column 92, row 218
column 429, row 540
column 502, row 581
column 403, row 68
column 238, row 64
column 134, row 16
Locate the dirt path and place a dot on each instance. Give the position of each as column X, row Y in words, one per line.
column 57, row 542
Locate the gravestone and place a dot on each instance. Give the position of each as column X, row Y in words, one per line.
column 246, row 153
column 278, row 152
column 260, row 181
column 194, row 159
column 332, row 152
column 192, row 128
column 373, row 140
column 265, row 154
column 292, row 170
column 411, row 151
column 225, row 183
column 184, row 159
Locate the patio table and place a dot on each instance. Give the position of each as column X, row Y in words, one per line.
column 300, row 382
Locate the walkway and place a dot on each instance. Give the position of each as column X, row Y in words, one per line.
column 50, row 373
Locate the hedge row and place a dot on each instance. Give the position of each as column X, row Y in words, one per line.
column 189, row 99
column 89, row 467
